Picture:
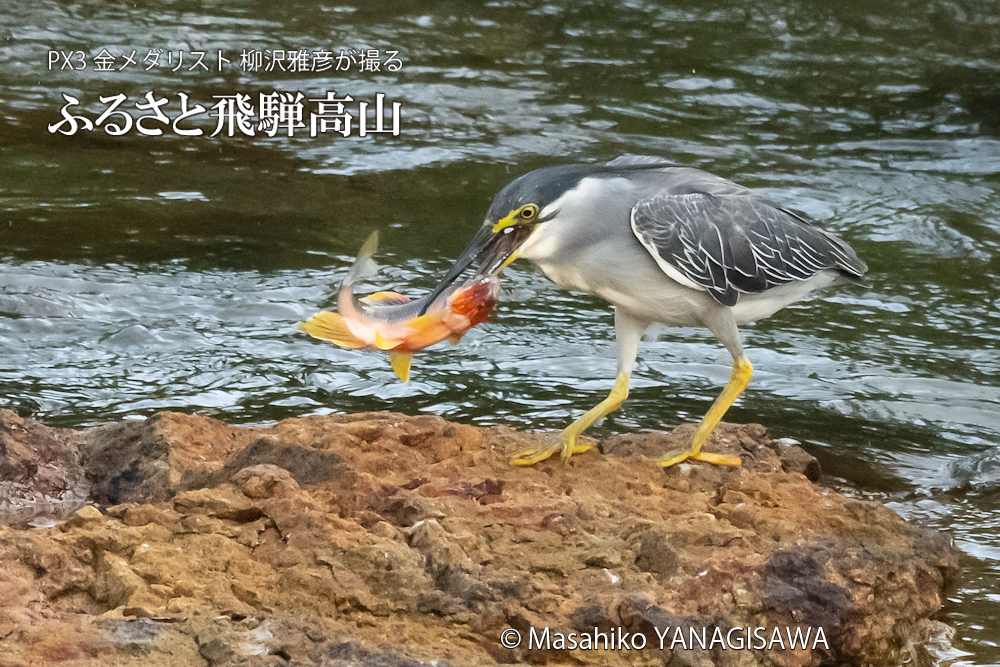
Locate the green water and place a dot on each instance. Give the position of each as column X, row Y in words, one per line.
column 147, row 273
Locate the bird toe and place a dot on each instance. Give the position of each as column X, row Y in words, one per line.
column 530, row 457
column 720, row 459
column 677, row 456
column 673, row 458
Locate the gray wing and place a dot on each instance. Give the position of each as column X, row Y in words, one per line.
column 732, row 244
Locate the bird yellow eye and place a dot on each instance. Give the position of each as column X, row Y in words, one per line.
column 526, row 213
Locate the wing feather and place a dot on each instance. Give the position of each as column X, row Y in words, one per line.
column 734, row 244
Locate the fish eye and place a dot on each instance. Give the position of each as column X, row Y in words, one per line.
column 529, row 212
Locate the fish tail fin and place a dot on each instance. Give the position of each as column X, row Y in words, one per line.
column 364, row 266
column 325, row 325
column 401, row 364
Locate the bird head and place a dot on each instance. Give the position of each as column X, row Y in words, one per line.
column 517, row 211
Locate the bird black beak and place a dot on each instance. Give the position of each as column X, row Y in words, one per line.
column 488, row 250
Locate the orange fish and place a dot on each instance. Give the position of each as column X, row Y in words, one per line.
column 392, row 322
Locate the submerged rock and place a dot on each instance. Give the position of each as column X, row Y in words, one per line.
column 382, row 539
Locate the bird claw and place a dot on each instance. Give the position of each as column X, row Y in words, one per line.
column 567, row 446
column 677, row 456
column 575, row 448
column 530, row 457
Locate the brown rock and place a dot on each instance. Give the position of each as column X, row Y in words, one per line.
column 306, row 463
column 265, row 481
column 391, row 540
column 86, row 515
column 216, row 651
column 151, row 460
column 796, row 459
column 40, row 471
column 115, row 582
column 655, row 553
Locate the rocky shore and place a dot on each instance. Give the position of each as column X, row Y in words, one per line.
column 386, row 540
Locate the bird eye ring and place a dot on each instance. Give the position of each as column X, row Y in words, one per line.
column 529, row 212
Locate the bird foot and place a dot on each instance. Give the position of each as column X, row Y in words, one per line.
column 567, row 446
column 676, row 456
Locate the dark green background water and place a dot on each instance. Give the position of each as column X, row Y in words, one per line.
column 147, row 273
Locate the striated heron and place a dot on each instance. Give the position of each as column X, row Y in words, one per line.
column 662, row 243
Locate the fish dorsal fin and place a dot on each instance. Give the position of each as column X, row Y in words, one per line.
column 331, row 326
column 385, row 299
column 454, row 338
column 383, row 343
column 364, row 266
column 401, row 364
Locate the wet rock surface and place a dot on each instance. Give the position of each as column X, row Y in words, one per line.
column 40, row 471
column 382, row 539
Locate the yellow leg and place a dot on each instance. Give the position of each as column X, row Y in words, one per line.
column 568, row 444
column 738, row 381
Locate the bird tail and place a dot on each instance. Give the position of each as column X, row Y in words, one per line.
column 848, row 263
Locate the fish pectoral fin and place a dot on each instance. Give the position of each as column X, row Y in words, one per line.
column 385, row 298
column 454, row 338
column 325, row 325
column 383, row 343
column 401, row 364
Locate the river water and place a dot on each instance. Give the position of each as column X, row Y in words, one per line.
column 141, row 273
